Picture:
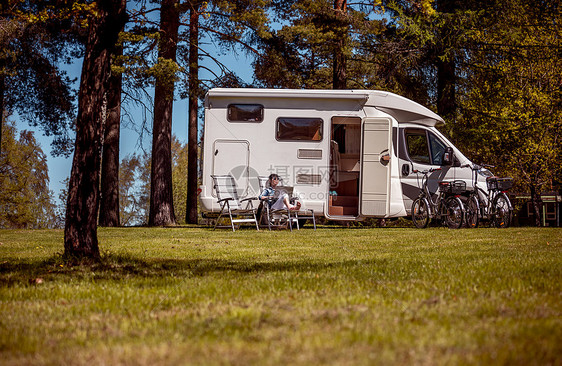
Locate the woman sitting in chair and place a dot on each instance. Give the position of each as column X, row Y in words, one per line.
column 277, row 199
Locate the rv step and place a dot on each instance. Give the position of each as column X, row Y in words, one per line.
column 343, row 211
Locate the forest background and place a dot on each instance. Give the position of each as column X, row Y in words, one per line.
column 491, row 69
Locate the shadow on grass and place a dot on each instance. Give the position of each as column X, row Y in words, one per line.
column 115, row 267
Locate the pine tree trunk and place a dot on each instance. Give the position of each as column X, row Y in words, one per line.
column 80, row 231
column 340, row 61
column 446, row 79
column 109, row 205
column 191, row 203
column 446, row 95
column 536, row 204
column 340, row 69
column 161, row 194
column 2, row 86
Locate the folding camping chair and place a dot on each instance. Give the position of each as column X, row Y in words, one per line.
column 227, row 195
column 274, row 218
column 285, row 216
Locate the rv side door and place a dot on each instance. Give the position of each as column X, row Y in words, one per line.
column 233, row 157
column 375, row 166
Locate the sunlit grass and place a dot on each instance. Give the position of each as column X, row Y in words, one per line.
column 332, row 296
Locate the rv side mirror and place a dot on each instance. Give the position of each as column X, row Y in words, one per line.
column 405, row 170
column 448, row 156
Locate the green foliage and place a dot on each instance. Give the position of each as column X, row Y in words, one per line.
column 380, row 52
column 510, row 95
column 300, row 53
column 506, row 76
column 35, row 38
column 137, row 62
column 25, row 199
column 165, row 71
column 232, row 21
column 194, row 296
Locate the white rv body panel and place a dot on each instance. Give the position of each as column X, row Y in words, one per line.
column 339, row 170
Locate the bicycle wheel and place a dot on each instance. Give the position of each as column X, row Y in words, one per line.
column 420, row 213
column 472, row 212
column 502, row 211
column 455, row 213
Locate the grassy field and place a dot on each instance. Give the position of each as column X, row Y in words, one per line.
column 194, row 296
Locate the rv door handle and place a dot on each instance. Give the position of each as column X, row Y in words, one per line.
column 216, row 152
column 384, row 157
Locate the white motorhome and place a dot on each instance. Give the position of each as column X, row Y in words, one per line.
column 348, row 154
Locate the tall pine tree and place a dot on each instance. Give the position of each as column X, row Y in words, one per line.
column 80, row 231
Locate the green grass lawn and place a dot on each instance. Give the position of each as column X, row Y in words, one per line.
column 194, row 296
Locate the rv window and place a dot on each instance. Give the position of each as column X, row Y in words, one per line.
column 245, row 112
column 307, row 129
column 417, row 146
column 437, row 149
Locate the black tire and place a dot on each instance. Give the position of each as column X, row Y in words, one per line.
column 455, row 213
column 420, row 213
column 302, row 222
column 502, row 211
column 472, row 212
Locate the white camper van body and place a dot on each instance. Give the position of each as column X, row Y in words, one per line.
column 348, row 154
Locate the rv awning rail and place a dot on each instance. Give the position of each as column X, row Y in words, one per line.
column 289, row 93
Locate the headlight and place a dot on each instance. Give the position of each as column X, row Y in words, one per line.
column 485, row 173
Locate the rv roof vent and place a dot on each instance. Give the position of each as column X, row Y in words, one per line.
column 309, row 179
column 309, row 154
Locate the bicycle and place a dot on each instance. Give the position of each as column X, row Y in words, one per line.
column 447, row 207
column 493, row 205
